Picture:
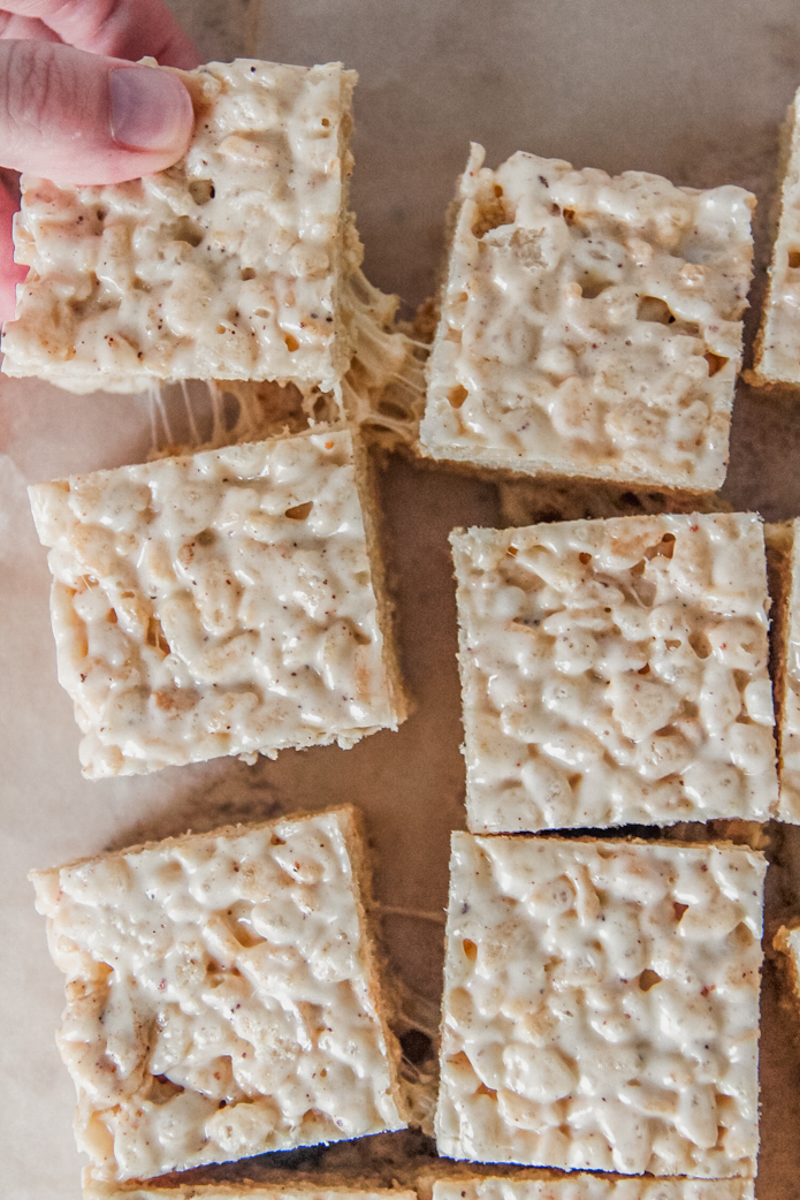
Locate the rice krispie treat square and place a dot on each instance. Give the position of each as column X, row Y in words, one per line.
column 232, row 264
column 777, row 348
column 222, row 996
column 220, row 603
column 590, row 326
column 782, row 546
column 580, row 1186
column 601, row 1006
column 615, row 672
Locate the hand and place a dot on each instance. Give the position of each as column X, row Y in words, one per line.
column 74, row 109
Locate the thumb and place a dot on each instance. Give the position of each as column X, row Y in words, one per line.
column 80, row 118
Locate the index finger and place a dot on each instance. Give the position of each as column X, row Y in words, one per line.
column 120, row 28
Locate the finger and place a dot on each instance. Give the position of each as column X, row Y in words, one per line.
column 78, row 118
column 14, row 27
column 121, row 28
column 11, row 273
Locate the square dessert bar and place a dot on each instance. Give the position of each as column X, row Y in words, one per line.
column 782, row 552
column 220, row 603
column 580, row 1186
column 601, row 1006
column 777, row 349
column 222, row 996
column 590, row 326
column 615, row 672
column 229, row 265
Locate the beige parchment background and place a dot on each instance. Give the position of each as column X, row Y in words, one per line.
column 695, row 91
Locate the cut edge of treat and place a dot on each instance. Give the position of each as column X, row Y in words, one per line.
column 757, row 376
column 367, row 483
column 783, row 568
column 306, row 1188
column 664, row 1187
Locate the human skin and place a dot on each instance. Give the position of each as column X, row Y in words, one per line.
column 74, row 109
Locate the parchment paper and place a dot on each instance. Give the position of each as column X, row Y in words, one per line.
column 694, row 91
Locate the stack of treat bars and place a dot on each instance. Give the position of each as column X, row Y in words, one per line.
column 599, row 1032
